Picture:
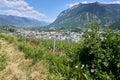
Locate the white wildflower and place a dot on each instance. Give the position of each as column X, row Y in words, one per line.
column 92, row 70
column 82, row 66
column 76, row 67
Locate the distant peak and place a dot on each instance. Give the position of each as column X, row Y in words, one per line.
column 96, row 2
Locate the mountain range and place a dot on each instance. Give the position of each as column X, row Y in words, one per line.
column 77, row 16
column 80, row 15
column 20, row 21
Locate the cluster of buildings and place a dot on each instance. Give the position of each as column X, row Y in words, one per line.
column 73, row 36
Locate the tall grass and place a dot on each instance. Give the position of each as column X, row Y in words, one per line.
column 2, row 62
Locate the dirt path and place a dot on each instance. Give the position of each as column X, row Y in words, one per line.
column 17, row 67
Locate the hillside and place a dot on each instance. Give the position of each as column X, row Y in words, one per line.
column 80, row 15
column 20, row 21
column 14, row 66
column 96, row 57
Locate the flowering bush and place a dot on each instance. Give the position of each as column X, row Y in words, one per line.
column 100, row 53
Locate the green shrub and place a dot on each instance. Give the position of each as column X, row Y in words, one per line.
column 100, row 55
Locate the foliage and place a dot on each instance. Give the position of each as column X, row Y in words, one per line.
column 9, row 38
column 100, row 55
column 31, row 52
column 2, row 62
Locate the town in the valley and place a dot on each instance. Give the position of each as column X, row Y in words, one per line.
column 73, row 36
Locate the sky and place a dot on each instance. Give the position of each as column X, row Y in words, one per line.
column 42, row 10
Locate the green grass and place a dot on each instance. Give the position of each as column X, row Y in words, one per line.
column 2, row 62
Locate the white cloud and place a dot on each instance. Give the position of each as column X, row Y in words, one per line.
column 84, row 2
column 11, row 12
column 72, row 4
column 114, row 2
column 22, row 9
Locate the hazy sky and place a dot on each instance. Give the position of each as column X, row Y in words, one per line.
column 45, row 10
